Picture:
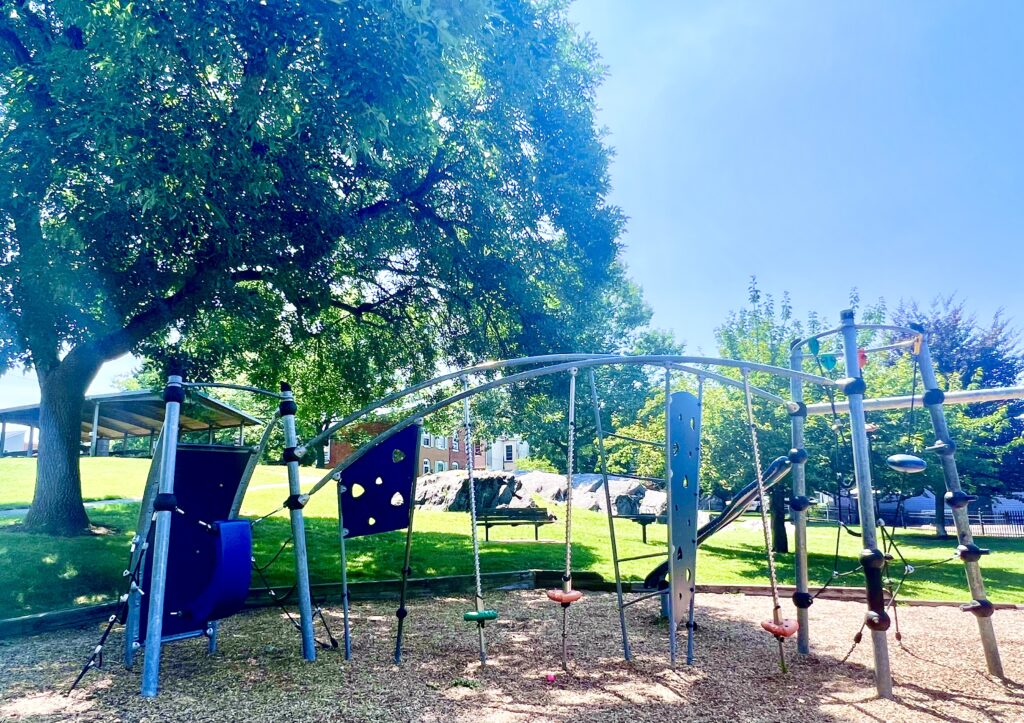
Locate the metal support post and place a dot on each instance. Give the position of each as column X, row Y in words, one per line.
column 296, row 502
column 95, row 431
column 958, row 501
column 602, row 458
column 798, row 458
column 402, row 613
column 342, row 533
column 872, row 558
column 174, row 395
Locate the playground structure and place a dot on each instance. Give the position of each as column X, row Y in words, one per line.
column 376, row 490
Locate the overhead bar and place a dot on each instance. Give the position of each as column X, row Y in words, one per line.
column 966, row 396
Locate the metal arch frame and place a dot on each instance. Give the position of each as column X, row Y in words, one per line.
column 658, row 360
column 838, row 331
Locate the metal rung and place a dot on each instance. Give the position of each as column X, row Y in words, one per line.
column 648, row 596
column 659, row 445
column 641, row 557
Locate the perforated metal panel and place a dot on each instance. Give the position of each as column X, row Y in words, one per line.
column 683, row 493
column 378, row 486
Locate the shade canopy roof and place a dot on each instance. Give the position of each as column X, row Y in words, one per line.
column 139, row 413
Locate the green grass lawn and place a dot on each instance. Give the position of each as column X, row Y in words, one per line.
column 42, row 573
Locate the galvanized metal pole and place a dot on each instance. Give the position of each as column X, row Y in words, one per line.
column 957, row 500
column 342, row 533
column 872, row 558
column 602, row 458
column 94, row 432
column 174, row 395
column 3, row 438
column 672, row 533
column 402, row 613
column 295, row 503
column 798, row 458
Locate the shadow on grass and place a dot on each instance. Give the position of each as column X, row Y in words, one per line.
column 941, row 581
column 380, row 557
column 48, row 573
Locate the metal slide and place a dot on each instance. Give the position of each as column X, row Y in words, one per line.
column 776, row 471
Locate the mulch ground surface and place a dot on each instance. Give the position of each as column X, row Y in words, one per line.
column 258, row 674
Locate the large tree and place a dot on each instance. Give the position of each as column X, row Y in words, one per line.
column 167, row 165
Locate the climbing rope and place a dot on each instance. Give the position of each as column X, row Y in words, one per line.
column 478, row 615
column 566, row 596
column 95, row 659
column 778, row 627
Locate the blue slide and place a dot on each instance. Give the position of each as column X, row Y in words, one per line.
column 777, row 470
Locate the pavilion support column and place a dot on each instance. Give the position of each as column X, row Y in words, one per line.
column 241, row 434
column 124, row 443
column 209, row 435
column 152, row 434
column 31, row 440
column 94, row 432
column 3, row 438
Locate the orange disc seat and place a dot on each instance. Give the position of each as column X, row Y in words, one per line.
column 785, row 629
column 564, row 598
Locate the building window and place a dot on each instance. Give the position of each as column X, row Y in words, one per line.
column 426, row 466
column 426, row 440
column 508, row 453
column 441, row 442
column 455, row 442
column 439, row 467
column 455, row 465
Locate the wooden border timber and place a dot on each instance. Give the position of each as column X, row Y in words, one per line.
column 426, row 587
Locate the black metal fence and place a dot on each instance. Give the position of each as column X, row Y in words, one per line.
column 983, row 524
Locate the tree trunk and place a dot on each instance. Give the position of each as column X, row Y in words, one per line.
column 57, row 506
column 780, row 538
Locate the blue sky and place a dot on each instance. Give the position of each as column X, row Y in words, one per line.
column 817, row 145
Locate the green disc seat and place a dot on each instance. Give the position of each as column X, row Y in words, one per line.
column 479, row 616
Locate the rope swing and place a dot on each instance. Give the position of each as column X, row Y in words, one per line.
column 567, row 596
column 478, row 614
column 778, row 627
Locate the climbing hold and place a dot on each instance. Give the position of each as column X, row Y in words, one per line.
column 970, row 553
column 551, row 677
column 479, row 616
column 980, row 608
column 565, row 598
column 852, row 385
column 877, row 620
column 799, row 504
column 784, row 629
column 798, row 456
column 944, row 448
column 803, row 600
column 814, row 346
column 906, row 463
column 959, row 499
column 862, row 358
column 872, row 559
column 828, row 361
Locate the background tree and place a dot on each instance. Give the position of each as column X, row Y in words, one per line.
column 166, row 166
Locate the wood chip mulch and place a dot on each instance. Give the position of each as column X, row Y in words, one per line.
column 258, row 674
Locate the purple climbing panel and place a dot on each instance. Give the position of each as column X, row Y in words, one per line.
column 378, row 486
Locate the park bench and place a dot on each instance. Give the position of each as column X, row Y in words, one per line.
column 512, row 517
column 643, row 520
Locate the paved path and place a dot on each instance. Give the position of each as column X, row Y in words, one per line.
column 22, row 511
